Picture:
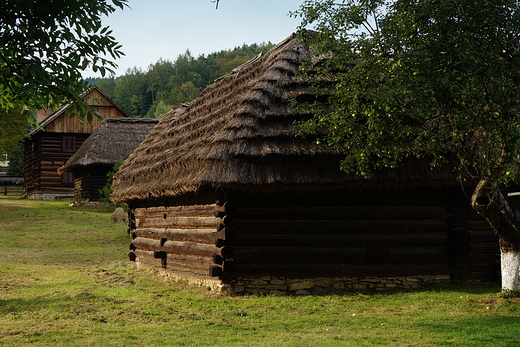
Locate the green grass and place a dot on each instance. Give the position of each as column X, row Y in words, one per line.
column 65, row 281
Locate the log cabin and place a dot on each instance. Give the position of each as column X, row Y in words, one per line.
column 55, row 141
column 223, row 193
column 113, row 140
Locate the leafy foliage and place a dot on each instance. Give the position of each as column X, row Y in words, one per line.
column 420, row 77
column 424, row 78
column 15, row 158
column 13, row 128
column 107, row 190
column 44, row 46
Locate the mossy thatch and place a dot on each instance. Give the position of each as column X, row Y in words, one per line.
column 112, row 140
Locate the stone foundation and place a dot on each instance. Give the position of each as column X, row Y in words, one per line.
column 268, row 285
column 309, row 286
column 50, row 196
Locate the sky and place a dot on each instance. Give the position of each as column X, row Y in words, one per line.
column 153, row 29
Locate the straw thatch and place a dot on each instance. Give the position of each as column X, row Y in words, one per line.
column 113, row 139
column 240, row 132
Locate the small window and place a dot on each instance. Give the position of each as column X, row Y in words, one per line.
column 67, row 177
column 69, row 144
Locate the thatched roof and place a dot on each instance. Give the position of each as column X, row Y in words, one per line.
column 240, row 132
column 113, row 139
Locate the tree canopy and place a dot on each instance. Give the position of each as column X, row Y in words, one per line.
column 423, row 78
column 44, row 46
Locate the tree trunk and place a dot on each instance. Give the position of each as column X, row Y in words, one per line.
column 488, row 201
column 510, row 268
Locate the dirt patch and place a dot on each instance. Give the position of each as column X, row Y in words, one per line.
column 111, row 278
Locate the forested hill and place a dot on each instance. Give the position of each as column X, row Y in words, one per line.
column 168, row 83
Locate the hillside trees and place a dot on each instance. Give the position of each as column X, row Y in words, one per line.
column 425, row 78
column 168, row 83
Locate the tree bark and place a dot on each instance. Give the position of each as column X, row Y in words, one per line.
column 488, row 201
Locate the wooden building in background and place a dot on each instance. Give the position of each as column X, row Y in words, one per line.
column 58, row 138
column 113, row 140
column 224, row 192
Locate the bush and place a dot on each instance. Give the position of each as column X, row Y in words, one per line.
column 107, row 189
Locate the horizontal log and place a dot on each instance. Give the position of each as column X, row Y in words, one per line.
column 208, row 235
column 341, row 226
column 142, row 243
column 485, row 248
column 332, row 240
column 485, row 267
column 184, row 247
column 180, row 211
column 489, row 276
column 342, row 213
column 488, row 237
column 179, row 247
column 189, row 273
column 476, row 225
column 147, row 257
column 475, row 258
column 179, row 271
column 189, row 261
column 330, row 256
column 165, row 221
column 415, row 197
column 302, row 271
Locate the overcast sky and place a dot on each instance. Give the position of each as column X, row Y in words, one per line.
column 154, row 29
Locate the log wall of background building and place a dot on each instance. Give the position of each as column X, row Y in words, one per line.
column 90, row 180
column 44, row 155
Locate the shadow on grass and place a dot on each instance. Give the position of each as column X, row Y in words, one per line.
column 486, row 330
column 78, row 304
column 484, row 288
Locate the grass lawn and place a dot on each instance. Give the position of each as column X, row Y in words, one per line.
column 65, row 281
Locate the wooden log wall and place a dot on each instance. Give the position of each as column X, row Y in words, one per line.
column 82, row 182
column 178, row 239
column 391, row 233
column 44, row 155
column 482, row 262
column 98, row 179
column 421, row 232
column 91, row 179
